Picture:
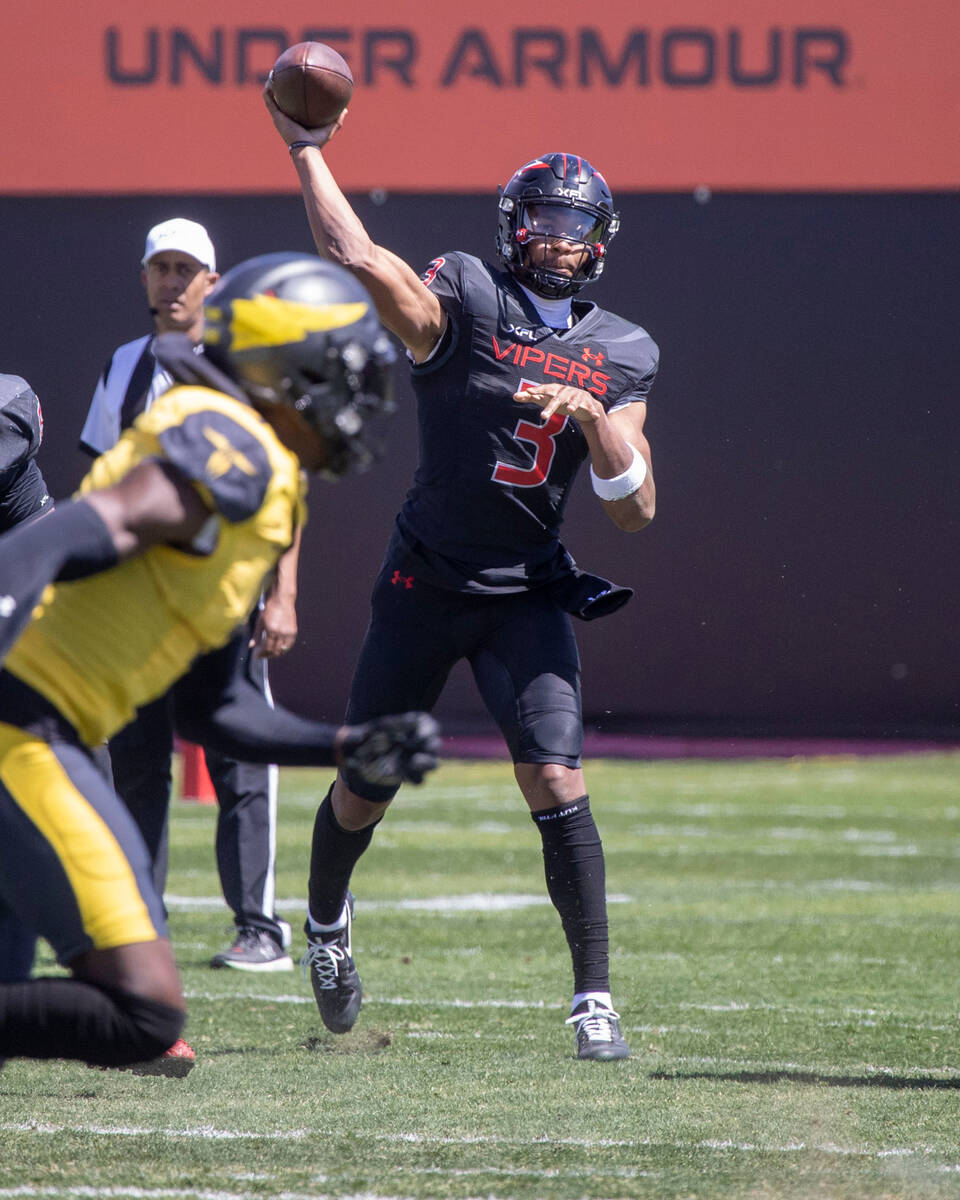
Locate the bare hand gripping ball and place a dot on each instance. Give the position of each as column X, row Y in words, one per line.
column 311, row 83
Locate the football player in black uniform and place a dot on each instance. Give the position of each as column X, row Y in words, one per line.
column 518, row 383
column 23, row 497
column 23, row 493
column 137, row 586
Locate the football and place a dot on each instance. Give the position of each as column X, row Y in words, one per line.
column 311, row 83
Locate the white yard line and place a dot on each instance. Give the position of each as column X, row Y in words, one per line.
column 869, row 1017
column 493, row 902
column 396, row 1001
column 828, row 1071
column 212, row 1134
column 864, row 1018
column 498, row 902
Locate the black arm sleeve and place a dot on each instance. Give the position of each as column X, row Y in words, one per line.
column 70, row 543
column 217, row 706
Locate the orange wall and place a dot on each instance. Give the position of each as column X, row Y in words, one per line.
column 140, row 98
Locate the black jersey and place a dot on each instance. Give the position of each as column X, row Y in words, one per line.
column 22, row 490
column 492, row 483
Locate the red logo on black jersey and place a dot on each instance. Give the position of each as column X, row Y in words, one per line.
column 430, row 273
column 407, row 580
column 588, row 356
column 554, row 366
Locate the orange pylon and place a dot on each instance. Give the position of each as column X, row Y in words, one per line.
column 195, row 784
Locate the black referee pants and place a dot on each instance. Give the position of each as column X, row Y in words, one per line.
column 141, row 756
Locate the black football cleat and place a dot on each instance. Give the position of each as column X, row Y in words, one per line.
column 336, row 983
column 598, row 1032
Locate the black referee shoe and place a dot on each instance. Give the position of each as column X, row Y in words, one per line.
column 336, row 984
column 254, row 950
column 598, row 1032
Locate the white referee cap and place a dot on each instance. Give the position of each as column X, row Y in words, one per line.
column 180, row 234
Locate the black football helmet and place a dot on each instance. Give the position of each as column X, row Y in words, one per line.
column 558, row 196
column 294, row 329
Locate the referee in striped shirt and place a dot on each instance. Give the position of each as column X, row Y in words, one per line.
column 178, row 272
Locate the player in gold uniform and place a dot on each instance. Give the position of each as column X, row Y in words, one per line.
column 138, row 583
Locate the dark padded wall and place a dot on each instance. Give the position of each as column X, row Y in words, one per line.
column 801, row 574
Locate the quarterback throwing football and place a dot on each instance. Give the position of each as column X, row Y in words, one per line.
column 518, row 383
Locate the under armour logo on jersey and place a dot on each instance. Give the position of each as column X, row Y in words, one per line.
column 225, row 456
column 406, row 580
column 8, row 606
column 589, row 356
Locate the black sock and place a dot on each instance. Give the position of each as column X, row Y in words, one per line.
column 576, row 881
column 69, row 1018
column 335, row 853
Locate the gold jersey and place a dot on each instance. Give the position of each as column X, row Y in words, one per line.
column 99, row 648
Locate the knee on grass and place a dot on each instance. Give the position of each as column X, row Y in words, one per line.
column 141, row 1029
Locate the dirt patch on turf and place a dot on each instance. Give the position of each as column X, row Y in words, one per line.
column 360, row 1041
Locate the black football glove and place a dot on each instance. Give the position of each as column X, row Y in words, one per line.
column 391, row 750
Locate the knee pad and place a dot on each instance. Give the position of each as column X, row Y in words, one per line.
column 552, row 736
column 539, row 718
column 374, row 793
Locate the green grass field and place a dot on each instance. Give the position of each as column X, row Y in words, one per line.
column 785, row 938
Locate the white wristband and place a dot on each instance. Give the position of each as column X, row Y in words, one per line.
column 624, row 484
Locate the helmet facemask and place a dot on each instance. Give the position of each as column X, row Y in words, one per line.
column 547, row 234
column 345, row 405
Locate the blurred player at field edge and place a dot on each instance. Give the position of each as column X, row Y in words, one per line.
column 171, row 536
column 23, row 497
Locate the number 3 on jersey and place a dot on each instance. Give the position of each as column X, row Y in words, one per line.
column 543, row 437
